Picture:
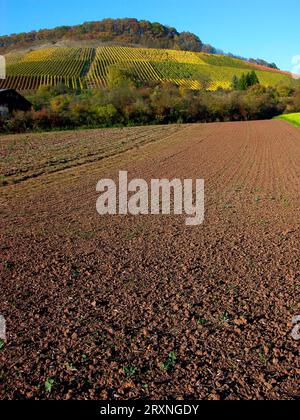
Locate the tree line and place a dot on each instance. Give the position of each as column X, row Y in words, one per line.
column 124, row 102
column 246, row 81
column 120, row 31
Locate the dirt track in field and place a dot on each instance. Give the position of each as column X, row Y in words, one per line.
column 145, row 307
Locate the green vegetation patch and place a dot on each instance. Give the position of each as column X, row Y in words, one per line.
column 173, row 70
column 224, row 61
column 291, row 118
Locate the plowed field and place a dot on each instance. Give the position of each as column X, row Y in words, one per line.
column 119, row 307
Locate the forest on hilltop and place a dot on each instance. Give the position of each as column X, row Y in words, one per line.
column 126, row 32
column 123, row 31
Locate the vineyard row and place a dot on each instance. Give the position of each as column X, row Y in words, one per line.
column 89, row 67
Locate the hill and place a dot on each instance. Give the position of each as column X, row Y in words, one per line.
column 88, row 67
column 124, row 32
column 121, row 31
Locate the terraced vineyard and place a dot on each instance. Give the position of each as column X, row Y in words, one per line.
column 132, row 59
column 48, row 67
column 88, row 68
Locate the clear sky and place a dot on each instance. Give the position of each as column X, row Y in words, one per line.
column 266, row 29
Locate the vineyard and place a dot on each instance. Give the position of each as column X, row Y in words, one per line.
column 48, row 67
column 87, row 68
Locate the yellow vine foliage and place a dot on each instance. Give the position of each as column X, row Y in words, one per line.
column 88, row 68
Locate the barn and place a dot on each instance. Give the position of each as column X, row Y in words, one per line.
column 11, row 100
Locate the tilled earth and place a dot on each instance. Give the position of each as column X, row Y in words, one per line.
column 123, row 307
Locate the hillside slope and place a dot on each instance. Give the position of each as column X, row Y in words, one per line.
column 123, row 32
column 128, row 31
column 88, row 67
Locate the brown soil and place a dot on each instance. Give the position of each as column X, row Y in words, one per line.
column 145, row 307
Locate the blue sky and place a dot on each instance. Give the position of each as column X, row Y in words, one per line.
column 266, row 29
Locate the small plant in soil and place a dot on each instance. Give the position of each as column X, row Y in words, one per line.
column 49, row 385
column 286, row 203
column 202, row 321
column 130, row 371
column 263, row 222
column 74, row 274
column 225, row 317
column 2, row 344
column 70, row 367
column 228, row 206
column 262, row 358
column 8, row 265
column 281, row 238
column 170, row 362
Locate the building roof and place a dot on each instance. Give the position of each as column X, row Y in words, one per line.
column 13, row 95
column 9, row 90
